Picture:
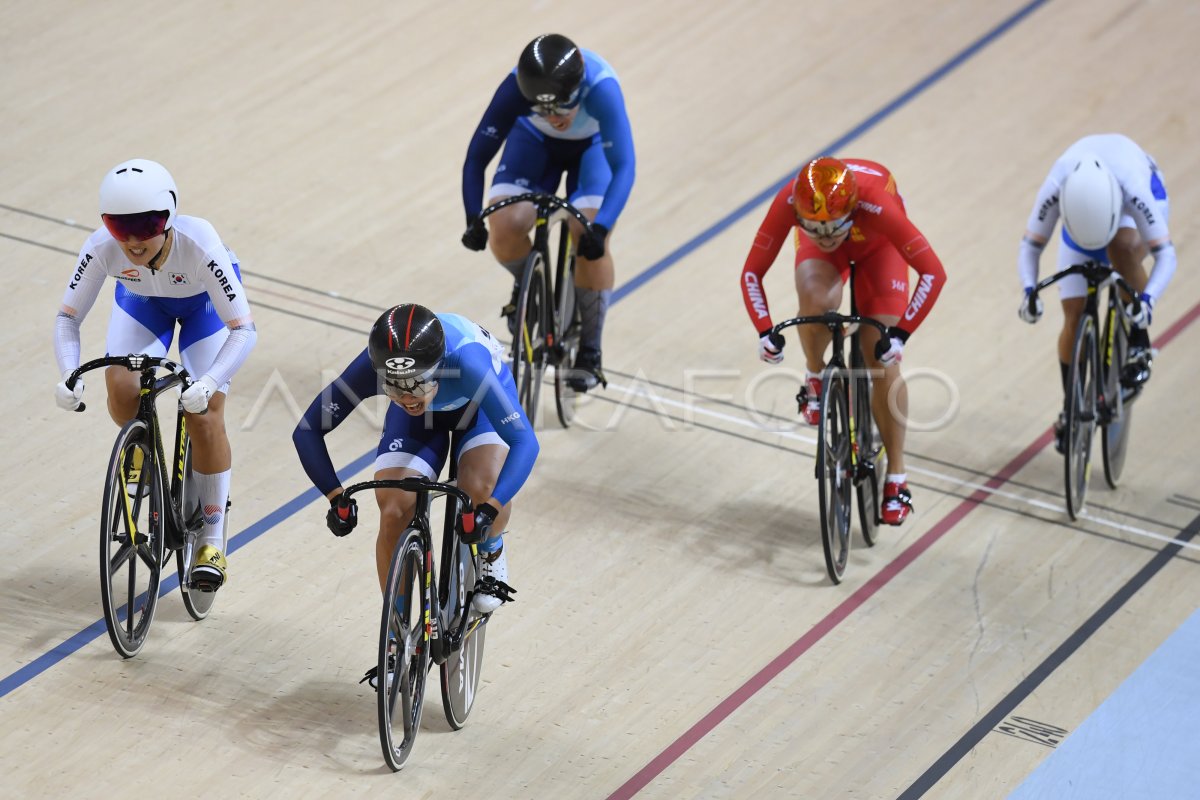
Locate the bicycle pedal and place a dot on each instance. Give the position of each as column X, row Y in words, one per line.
column 495, row 588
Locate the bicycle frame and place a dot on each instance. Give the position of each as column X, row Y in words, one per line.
column 846, row 452
column 443, row 640
column 150, row 388
column 839, row 325
column 545, row 334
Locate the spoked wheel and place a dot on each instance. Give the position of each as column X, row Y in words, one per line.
column 1115, row 435
column 403, row 659
column 460, row 672
column 131, row 540
column 568, row 327
column 568, row 348
column 529, row 341
column 868, row 459
column 1081, row 417
column 197, row 603
column 835, row 473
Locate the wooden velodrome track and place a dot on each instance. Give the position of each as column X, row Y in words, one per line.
column 675, row 634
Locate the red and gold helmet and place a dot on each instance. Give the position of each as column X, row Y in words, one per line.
column 824, row 196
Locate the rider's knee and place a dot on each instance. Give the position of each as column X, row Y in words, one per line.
column 479, row 485
column 395, row 511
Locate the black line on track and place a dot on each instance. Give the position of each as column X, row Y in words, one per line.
column 39, row 244
column 258, row 304
column 991, row 502
column 1069, row 647
column 263, row 276
column 58, row 220
column 930, row 459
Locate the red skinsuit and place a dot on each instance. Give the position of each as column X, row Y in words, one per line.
column 883, row 243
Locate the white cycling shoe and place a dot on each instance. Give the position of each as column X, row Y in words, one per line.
column 496, row 569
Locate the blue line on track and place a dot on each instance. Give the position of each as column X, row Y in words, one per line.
column 870, row 122
column 171, row 582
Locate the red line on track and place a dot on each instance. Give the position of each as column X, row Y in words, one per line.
column 726, row 707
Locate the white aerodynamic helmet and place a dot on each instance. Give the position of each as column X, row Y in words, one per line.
column 1091, row 202
column 139, row 186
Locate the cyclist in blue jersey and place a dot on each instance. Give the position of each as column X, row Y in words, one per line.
column 560, row 110
column 442, row 373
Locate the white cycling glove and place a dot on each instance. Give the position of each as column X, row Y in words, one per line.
column 770, row 347
column 195, row 398
column 1031, row 313
column 1145, row 311
column 894, row 352
column 68, row 399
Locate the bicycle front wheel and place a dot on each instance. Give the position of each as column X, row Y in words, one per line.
column 1080, row 416
column 131, row 539
column 1118, row 414
column 529, row 340
column 403, row 656
column 460, row 672
column 835, row 476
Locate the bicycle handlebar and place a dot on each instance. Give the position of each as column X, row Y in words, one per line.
column 543, row 202
column 413, row 484
column 831, row 319
column 134, row 362
column 1093, row 273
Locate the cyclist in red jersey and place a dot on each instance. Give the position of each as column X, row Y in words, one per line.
column 849, row 210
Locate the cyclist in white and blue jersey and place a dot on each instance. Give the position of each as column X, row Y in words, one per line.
column 1113, row 202
column 169, row 269
column 443, row 374
column 560, row 110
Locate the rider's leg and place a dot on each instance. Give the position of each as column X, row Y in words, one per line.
column 522, row 167
column 594, row 278
column 509, row 235
column 123, row 389
column 409, row 446
column 819, row 287
column 480, row 459
column 137, row 325
column 1128, row 252
column 881, row 289
column 395, row 514
column 1072, row 312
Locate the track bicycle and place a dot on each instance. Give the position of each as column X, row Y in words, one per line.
column 849, row 447
column 1096, row 394
column 427, row 619
column 547, row 320
column 140, row 527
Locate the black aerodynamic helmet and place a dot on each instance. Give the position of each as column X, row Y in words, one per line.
column 406, row 345
column 550, row 71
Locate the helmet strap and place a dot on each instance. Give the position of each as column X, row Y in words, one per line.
column 164, row 251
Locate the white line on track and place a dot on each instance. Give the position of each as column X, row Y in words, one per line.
column 965, row 485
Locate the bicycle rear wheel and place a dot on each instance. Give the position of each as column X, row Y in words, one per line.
column 529, row 341
column 197, row 603
column 1080, row 416
column 868, row 452
column 131, row 539
column 834, row 472
column 1114, row 437
column 567, row 328
column 461, row 671
column 403, row 656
